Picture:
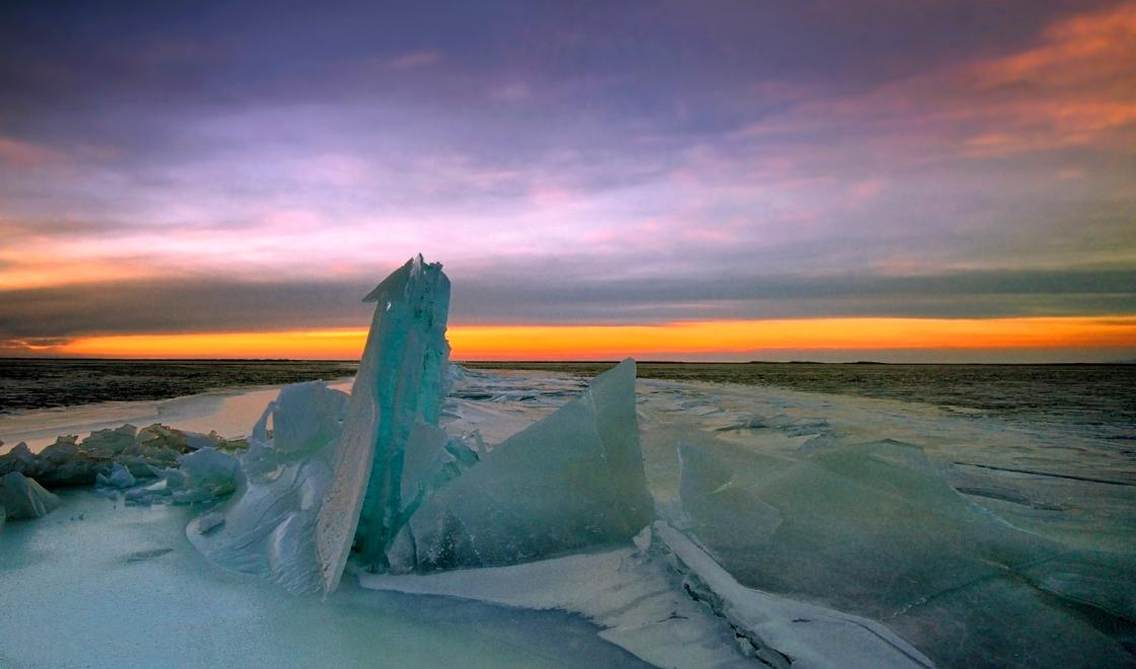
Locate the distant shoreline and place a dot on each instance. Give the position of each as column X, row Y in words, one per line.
column 500, row 364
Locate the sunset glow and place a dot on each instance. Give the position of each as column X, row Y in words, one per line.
column 665, row 341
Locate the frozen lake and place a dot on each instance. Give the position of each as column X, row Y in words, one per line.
column 980, row 540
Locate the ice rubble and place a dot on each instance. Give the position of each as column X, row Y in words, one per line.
column 140, row 452
column 153, row 464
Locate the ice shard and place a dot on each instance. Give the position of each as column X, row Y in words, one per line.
column 118, row 477
column 571, row 480
column 399, row 385
column 22, row 497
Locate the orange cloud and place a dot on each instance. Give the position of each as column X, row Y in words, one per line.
column 563, row 342
column 19, row 153
column 1075, row 87
column 33, row 265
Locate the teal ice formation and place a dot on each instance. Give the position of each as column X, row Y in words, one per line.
column 372, row 477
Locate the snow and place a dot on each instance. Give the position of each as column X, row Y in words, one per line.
column 99, row 585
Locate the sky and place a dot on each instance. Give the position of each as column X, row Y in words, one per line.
column 907, row 180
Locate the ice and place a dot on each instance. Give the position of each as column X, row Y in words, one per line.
column 572, row 480
column 105, row 444
column 804, row 635
column 669, row 603
column 211, row 472
column 119, row 477
column 227, row 412
column 108, row 586
column 71, row 462
column 22, row 498
column 399, row 385
column 630, row 597
column 267, row 527
column 782, row 528
column 422, row 499
column 873, row 528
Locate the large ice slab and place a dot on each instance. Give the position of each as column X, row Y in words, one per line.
column 873, row 528
column 400, row 384
column 668, row 602
column 574, row 479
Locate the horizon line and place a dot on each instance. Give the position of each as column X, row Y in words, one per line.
column 582, row 361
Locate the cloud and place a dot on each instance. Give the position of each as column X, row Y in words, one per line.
column 664, row 164
column 562, row 294
column 1076, row 87
column 26, row 155
column 414, row 59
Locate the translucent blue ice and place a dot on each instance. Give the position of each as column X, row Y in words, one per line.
column 399, row 386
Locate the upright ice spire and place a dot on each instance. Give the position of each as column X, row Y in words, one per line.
column 399, row 384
